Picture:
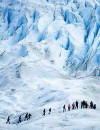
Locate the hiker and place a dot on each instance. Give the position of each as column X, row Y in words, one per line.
column 91, row 104
column 77, row 104
column 94, row 107
column 86, row 104
column 8, row 120
column 64, row 108
column 29, row 116
column 81, row 104
column 20, row 120
column 49, row 110
column 73, row 106
column 68, row 107
column 44, row 112
column 26, row 117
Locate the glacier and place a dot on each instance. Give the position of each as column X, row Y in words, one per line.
column 72, row 26
column 49, row 55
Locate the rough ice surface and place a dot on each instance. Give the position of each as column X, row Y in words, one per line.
column 72, row 26
column 49, row 56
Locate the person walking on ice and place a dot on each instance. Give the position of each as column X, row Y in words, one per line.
column 44, row 112
column 91, row 104
column 81, row 104
column 29, row 116
column 86, row 104
column 94, row 106
column 68, row 107
column 26, row 117
column 49, row 110
column 19, row 120
column 77, row 104
column 64, row 108
column 73, row 106
column 8, row 120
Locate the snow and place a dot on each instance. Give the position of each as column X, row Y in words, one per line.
column 35, row 94
column 49, row 56
column 40, row 86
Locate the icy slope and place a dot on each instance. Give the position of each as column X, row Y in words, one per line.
column 30, row 84
column 38, row 87
column 66, row 32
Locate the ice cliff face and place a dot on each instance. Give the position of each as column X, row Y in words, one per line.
column 65, row 32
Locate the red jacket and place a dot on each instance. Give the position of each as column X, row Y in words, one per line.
column 68, row 105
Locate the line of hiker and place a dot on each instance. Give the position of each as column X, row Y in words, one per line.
column 27, row 117
column 75, row 105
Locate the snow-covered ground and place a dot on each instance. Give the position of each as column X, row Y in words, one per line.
column 31, row 85
column 49, row 56
column 33, row 95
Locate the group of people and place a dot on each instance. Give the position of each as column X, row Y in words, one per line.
column 27, row 117
column 44, row 111
column 75, row 105
column 84, row 104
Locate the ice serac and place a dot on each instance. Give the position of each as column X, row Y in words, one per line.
column 67, row 30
